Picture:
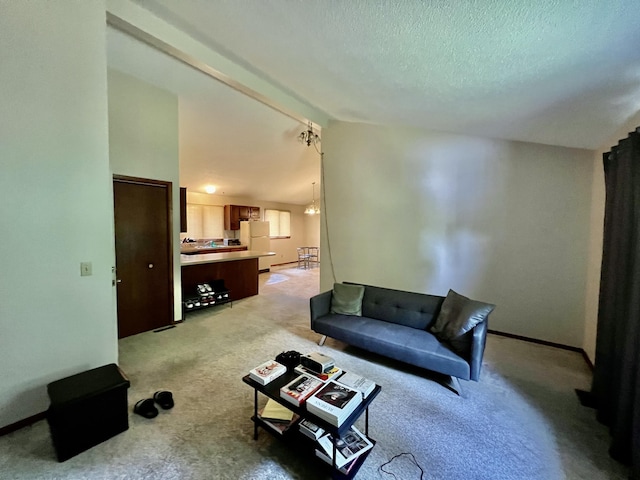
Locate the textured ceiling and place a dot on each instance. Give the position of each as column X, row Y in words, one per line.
column 559, row 72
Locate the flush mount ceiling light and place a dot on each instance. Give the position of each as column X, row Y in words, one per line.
column 308, row 136
column 210, row 189
column 313, row 209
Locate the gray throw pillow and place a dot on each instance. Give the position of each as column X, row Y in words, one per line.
column 347, row 299
column 458, row 315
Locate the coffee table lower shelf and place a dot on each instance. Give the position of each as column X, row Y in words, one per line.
column 307, row 446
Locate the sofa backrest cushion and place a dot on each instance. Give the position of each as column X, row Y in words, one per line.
column 458, row 315
column 347, row 299
column 417, row 310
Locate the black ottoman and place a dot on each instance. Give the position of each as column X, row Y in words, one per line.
column 87, row 409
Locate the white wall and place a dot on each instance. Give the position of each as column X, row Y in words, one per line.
column 53, row 141
column 284, row 248
column 143, row 142
column 596, row 236
column 499, row 221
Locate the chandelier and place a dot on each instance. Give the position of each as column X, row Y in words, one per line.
column 308, row 136
column 313, row 209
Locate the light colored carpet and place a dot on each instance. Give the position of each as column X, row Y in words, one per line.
column 521, row 421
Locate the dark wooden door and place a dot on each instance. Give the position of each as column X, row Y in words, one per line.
column 143, row 255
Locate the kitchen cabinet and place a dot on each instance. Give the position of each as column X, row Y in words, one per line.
column 240, row 274
column 234, row 214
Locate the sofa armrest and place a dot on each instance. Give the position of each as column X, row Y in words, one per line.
column 478, row 343
column 319, row 306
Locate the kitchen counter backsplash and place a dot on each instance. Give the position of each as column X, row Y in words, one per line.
column 202, row 241
column 194, row 245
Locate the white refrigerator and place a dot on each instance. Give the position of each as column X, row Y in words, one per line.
column 255, row 235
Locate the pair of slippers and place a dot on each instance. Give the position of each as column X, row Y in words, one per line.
column 147, row 408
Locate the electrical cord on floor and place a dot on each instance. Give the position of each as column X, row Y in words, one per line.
column 381, row 467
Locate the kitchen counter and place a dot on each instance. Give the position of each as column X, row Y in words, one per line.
column 239, row 270
column 191, row 259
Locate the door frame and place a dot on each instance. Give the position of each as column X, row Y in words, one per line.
column 169, row 214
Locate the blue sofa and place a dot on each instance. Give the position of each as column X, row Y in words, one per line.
column 396, row 324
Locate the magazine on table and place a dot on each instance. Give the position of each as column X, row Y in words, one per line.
column 267, row 372
column 333, row 373
column 349, row 446
column 334, row 397
column 300, row 389
column 275, row 412
column 346, row 469
column 357, row 382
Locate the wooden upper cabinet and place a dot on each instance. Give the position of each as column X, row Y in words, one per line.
column 231, row 218
column 244, row 212
column 234, row 214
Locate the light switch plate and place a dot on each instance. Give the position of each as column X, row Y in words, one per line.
column 85, row 269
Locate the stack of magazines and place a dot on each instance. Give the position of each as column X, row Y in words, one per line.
column 277, row 416
column 348, row 447
column 334, row 402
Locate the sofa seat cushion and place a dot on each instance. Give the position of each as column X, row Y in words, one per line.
column 417, row 347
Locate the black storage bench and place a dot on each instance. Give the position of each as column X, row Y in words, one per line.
column 87, row 409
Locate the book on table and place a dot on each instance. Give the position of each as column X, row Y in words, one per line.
column 300, row 389
column 333, row 373
column 357, row 382
column 276, row 412
column 278, row 426
column 310, row 429
column 267, row 372
column 334, row 402
column 349, row 446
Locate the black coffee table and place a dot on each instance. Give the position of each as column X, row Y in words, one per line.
column 294, row 436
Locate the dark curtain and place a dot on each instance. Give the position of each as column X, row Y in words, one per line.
column 616, row 379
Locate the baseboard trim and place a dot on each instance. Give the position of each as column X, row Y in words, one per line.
column 547, row 343
column 535, row 340
column 587, row 359
column 25, row 422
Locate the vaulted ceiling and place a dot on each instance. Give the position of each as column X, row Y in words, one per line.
column 557, row 72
